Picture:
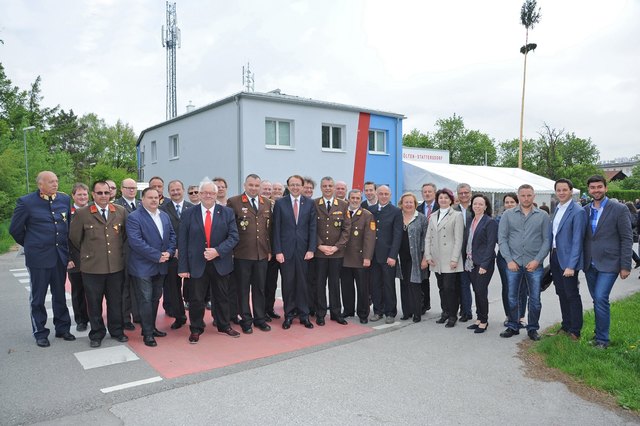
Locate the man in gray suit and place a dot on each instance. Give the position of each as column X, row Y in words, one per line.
column 608, row 246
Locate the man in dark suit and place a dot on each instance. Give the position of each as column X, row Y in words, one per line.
column 173, row 301
column 464, row 283
column 427, row 207
column 253, row 219
column 152, row 242
column 80, row 195
column 608, row 247
column 40, row 224
column 567, row 228
column 273, row 267
column 208, row 234
column 98, row 231
column 294, row 243
column 357, row 258
column 371, row 199
column 333, row 227
column 383, row 271
column 128, row 200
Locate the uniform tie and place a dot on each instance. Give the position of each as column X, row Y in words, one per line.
column 207, row 227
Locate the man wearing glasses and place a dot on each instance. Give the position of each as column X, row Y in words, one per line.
column 192, row 191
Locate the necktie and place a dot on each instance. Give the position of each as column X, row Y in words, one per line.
column 104, row 215
column 133, row 206
column 429, row 211
column 253, row 204
column 178, row 210
column 207, row 227
column 328, row 206
column 295, row 209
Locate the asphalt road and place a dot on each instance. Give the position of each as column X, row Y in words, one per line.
column 406, row 374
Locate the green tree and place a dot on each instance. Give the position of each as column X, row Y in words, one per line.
column 508, row 153
column 464, row 146
column 633, row 181
column 416, row 139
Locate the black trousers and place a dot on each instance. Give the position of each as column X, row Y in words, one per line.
column 78, row 298
column 148, row 291
column 328, row 269
column 410, row 293
column 480, row 285
column 172, row 289
column 383, row 289
column 312, row 292
column 448, row 285
column 271, row 285
column 347, row 278
column 109, row 287
column 568, row 292
column 197, row 292
column 425, row 286
column 129, row 304
column 250, row 277
column 295, row 289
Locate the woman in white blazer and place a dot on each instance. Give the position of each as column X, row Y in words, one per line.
column 443, row 253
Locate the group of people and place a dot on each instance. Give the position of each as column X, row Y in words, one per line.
column 226, row 254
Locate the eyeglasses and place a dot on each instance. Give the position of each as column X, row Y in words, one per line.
column 127, row 187
column 193, row 192
column 102, row 193
column 112, row 187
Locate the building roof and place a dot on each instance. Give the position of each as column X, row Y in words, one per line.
column 614, row 175
column 274, row 96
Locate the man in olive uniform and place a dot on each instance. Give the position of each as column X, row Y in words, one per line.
column 251, row 255
column 333, row 228
column 357, row 258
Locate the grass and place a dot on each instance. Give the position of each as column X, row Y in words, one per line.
column 6, row 240
column 615, row 370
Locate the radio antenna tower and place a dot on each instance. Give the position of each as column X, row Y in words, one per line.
column 248, row 79
column 171, row 40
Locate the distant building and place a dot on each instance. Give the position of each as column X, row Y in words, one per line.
column 275, row 135
column 624, row 167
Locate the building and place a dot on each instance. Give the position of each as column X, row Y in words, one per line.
column 624, row 166
column 275, row 135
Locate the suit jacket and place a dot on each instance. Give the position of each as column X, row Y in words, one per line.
column 609, row 248
column 254, row 227
column 124, row 203
column 483, row 243
column 192, row 241
column 291, row 238
column 570, row 236
column 416, row 233
column 170, row 208
column 388, row 232
column 101, row 244
column 362, row 240
column 444, row 242
column 333, row 226
column 146, row 245
column 41, row 226
column 433, row 210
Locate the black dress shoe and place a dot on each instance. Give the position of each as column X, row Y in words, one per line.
column 441, row 320
column 273, row 315
column 405, row 317
column 81, row 327
column 364, row 320
column 122, row 338
column 509, row 332
column 450, row 323
column 66, row 336
column 465, row 318
column 342, row 321
column 150, row 341
column 194, row 337
column 308, row 324
column 480, row 330
column 247, row 330
column 235, row 320
column 319, row 321
column 264, row 327
column 286, row 324
column 95, row 343
column 417, row 318
column 267, row 318
column 158, row 333
column 533, row 335
column 177, row 324
column 472, row 327
column 231, row 332
column 129, row 326
column 43, row 343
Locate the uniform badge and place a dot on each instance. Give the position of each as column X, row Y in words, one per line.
column 116, row 228
column 64, row 217
column 336, row 224
column 355, row 233
column 243, row 224
column 245, row 210
column 372, row 225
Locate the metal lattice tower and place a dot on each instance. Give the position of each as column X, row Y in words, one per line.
column 171, row 41
column 248, row 78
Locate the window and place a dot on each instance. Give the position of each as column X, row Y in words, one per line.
column 174, row 147
column 378, row 141
column 331, row 137
column 278, row 133
column 154, row 152
column 142, row 155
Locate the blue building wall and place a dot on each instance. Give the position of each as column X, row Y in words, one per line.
column 387, row 168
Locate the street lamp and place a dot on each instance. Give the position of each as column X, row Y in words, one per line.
column 90, row 168
column 26, row 158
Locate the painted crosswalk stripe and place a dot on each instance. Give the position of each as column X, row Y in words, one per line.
column 20, row 274
column 50, row 312
column 106, row 356
column 17, row 270
column 47, row 298
column 24, row 280
column 383, row 326
column 131, row 384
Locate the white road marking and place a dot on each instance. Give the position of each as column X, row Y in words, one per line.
column 383, row 326
column 24, row 280
column 106, row 356
column 47, row 298
column 131, row 384
column 17, row 270
column 20, row 274
column 50, row 312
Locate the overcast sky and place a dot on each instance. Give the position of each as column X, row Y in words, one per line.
column 424, row 59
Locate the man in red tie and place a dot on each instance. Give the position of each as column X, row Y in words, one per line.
column 208, row 234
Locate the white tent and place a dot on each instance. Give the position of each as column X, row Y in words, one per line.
column 491, row 181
